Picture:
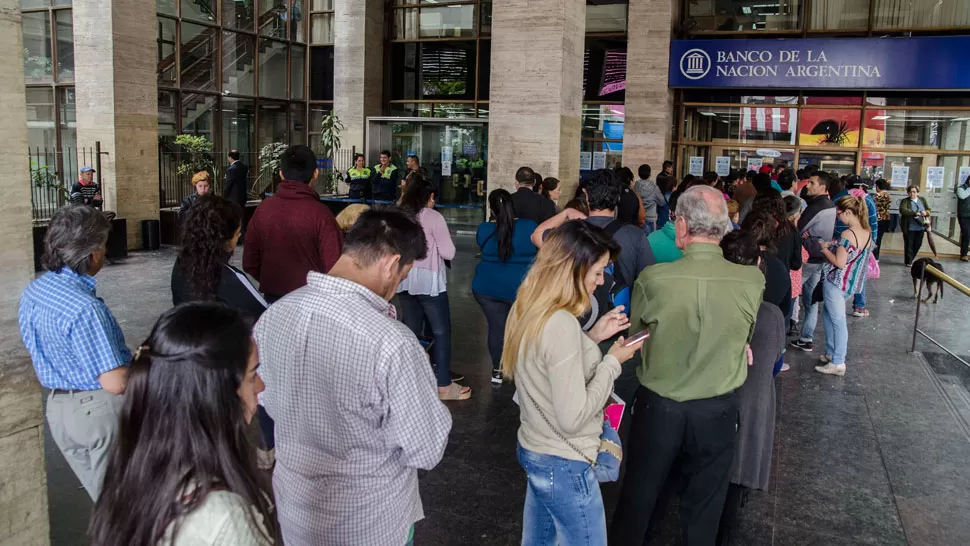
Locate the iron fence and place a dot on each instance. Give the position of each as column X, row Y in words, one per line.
column 53, row 172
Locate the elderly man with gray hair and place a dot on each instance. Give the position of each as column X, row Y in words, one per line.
column 700, row 312
column 76, row 345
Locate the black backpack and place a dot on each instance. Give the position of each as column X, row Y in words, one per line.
column 614, row 291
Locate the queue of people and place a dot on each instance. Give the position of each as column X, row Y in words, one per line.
column 590, row 305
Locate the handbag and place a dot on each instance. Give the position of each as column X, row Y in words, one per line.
column 872, row 271
column 606, row 467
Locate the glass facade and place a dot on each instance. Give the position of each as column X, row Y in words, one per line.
column 48, row 53
column 604, row 83
column 236, row 73
column 828, row 16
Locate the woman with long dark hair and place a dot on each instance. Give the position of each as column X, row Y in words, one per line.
column 182, row 470
column 424, row 293
column 202, row 271
column 549, row 188
column 507, row 253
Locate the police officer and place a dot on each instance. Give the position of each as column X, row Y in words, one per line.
column 385, row 178
column 359, row 178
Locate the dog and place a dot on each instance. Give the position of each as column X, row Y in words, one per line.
column 931, row 280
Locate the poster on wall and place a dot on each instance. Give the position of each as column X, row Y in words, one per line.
column 755, row 163
column 696, row 167
column 934, row 177
column 585, row 161
column 599, row 160
column 445, row 168
column 722, row 165
column 962, row 177
column 900, row 177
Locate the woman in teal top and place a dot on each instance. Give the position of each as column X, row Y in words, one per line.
column 507, row 254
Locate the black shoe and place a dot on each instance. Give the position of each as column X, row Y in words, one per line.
column 807, row 346
column 457, row 377
column 793, row 328
column 497, row 377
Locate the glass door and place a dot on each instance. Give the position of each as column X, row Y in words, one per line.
column 840, row 163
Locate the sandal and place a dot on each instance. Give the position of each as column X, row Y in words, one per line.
column 455, row 392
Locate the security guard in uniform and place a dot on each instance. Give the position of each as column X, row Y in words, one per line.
column 385, row 179
column 359, row 178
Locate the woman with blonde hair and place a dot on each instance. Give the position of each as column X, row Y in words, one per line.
column 563, row 383
column 348, row 217
column 203, row 186
column 844, row 275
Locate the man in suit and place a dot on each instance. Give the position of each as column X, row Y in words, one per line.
column 527, row 203
column 237, row 180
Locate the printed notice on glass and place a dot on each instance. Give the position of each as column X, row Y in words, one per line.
column 900, row 176
column 585, row 161
column 447, row 154
column 599, row 160
column 446, row 168
column 722, row 165
column 934, row 177
column 696, row 166
column 755, row 163
column 962, row 177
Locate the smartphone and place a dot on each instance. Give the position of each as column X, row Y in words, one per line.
column 636, row 338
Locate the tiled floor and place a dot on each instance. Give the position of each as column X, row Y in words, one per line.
column 877, row 457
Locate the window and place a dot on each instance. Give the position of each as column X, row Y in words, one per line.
column 321, row 73
column 199, row 10
column 604, row 69
column 237, row 15
column 456, row 21
column 40, row 118
column 297, row 68
column 892, row 14
column 238, row 75
column 917, row 129
column 745, row 15
column 606, row 16
column 166, row 51
column 64, row 24
column 829, row 127
column 433, row 70
column 199, row 47
column 839, row 14
column 38, row 58
column 272, row 68
column 743, row 124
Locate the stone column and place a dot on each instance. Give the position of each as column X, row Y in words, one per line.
column 23, row 482
column 649, row 103
column 117, row 102
column 358, row 67
column 536, row 93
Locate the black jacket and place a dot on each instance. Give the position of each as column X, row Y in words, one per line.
column 237, row 182
column 532, row 206
column 186, row 205
column 232, row 290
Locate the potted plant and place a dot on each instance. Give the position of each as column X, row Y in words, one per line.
column 269, row 165
column 196, row 155
column 330, row 129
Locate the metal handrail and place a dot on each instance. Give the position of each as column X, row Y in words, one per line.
column 960, row 287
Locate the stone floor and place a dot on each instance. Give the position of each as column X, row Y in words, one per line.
column 877, row 457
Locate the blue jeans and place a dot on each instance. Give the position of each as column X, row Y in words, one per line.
column 649, row 227
column 859, row 300
column 563, row 503
column 833, row 319
column 438, row 314
column 811, row 273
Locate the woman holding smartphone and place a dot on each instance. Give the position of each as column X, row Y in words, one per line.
column 563, row 382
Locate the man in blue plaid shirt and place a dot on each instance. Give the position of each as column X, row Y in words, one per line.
column 77, row 347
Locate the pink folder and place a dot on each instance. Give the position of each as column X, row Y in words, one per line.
column 614, row 411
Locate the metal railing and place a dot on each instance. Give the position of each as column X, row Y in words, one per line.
column 943, row 277
column 53, row 172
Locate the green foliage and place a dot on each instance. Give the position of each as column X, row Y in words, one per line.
column 330, row 129
column 269, row 159
column 44, row 176
column 196, row 155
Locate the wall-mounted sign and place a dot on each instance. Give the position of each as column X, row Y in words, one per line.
column 446, row 168
column 768, row 152
column 900, row 178
column 821, row 63
column 722, row 165
column 755, row 163
column 696, row 167
column 469, row 149
column 585, row 161
column 599, row 160
column 934, row 177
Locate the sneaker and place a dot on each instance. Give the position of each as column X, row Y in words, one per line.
column 826, row 359
column 831, row 369
column 497, row 377
column 785, row 367
column 807, row 346
column 265, row 458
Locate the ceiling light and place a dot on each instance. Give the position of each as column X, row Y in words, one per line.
column 708, row 114
column 878, row 118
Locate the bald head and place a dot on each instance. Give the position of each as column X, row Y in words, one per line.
column 702, row 216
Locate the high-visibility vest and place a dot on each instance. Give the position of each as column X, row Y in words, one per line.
column 387, row 172
column 356, row 174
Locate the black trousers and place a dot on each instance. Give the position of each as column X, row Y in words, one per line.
column 695, row 438
column 914, row 241
column 496, row 314
column 737, row 497
column 964, row 235
column 883, row 228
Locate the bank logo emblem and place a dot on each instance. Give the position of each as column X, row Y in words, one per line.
column 695, row 64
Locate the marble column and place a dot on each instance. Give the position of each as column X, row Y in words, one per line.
column 23, row 482
column 117, row 102
column 536, row 92
column 649, row 103
column 358, row 67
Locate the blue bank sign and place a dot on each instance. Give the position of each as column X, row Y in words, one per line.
column 842, row 63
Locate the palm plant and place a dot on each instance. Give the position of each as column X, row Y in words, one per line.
column 330, row 129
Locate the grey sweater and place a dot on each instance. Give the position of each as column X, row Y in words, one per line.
column 651, row 196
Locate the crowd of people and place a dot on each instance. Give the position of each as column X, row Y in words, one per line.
column 671, row 299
